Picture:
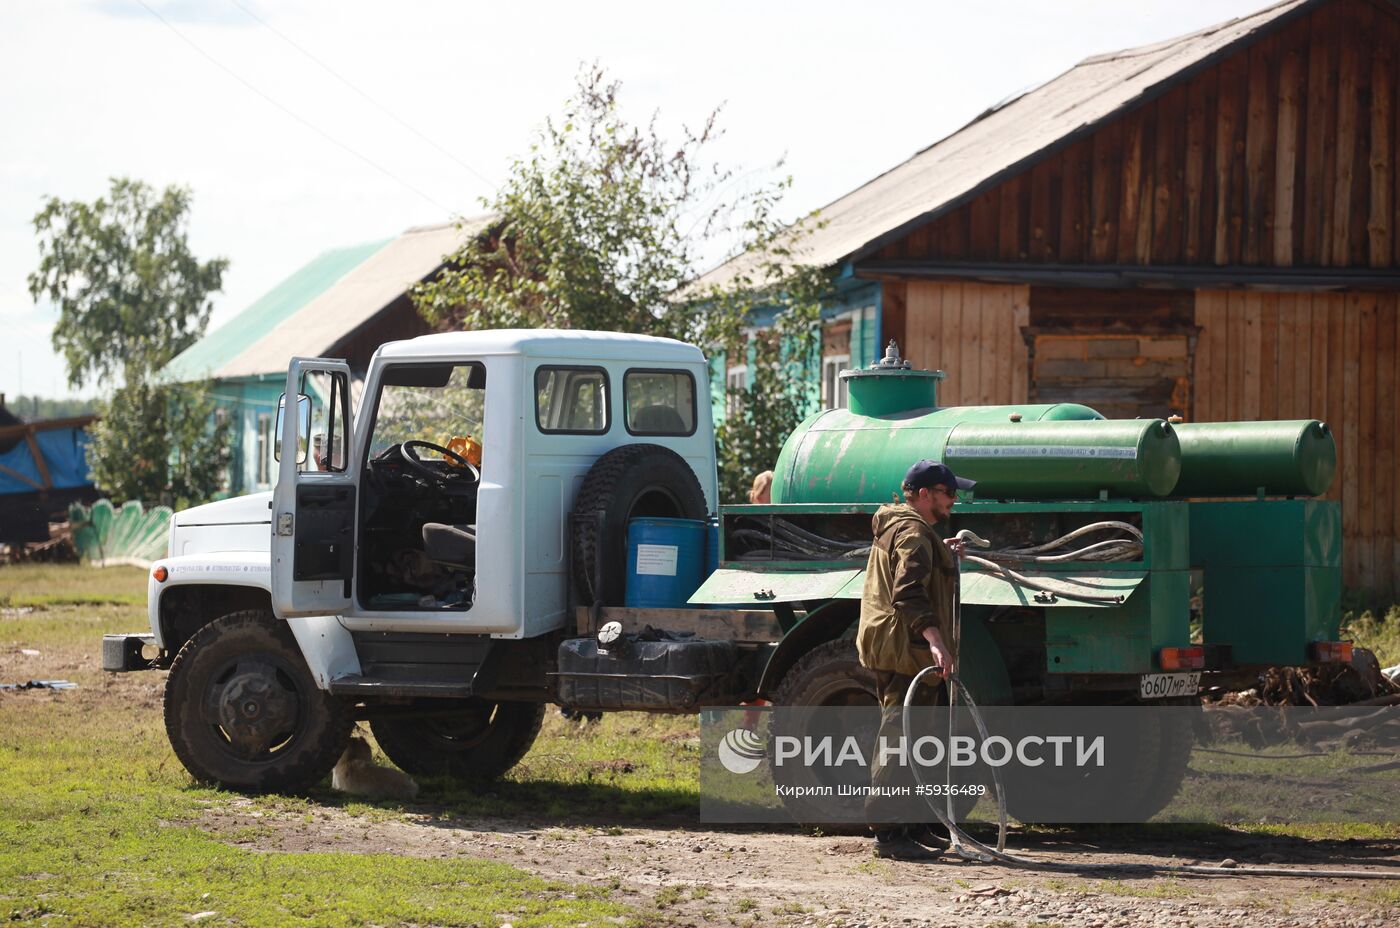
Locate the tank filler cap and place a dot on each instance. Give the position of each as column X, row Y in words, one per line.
column 611, row 640
column 1174, row 419
column 1015, row 417
column 891, row 361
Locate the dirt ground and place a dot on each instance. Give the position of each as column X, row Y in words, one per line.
column 710, row 877
column 698, row 876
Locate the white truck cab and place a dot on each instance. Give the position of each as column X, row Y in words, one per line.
column 537, row 408
column 423, row 547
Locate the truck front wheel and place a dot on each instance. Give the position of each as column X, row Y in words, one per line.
column 243, row 711
column 478, row 744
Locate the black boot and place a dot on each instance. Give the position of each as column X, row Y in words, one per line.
column 895, row 844
column 933, row 837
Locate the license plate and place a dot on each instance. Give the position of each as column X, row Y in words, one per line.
column 1163, row 685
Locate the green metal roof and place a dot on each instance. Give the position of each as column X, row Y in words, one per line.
column 206, row 356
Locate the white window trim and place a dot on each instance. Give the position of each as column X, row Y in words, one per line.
column 262, row 444
column 736, row 378
column 835, row 363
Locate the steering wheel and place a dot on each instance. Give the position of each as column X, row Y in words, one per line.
column 412, row 462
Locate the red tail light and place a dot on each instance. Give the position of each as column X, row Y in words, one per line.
column 1193, row 658
column 1327, row 652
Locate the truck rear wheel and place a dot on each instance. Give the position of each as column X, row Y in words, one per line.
column 1178, row 740
column 243, row 711
column 478, row 744
column 626, row 483
column 1146, row 771
column 830, row 675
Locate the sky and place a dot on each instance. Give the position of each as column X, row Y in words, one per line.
column 302, row 126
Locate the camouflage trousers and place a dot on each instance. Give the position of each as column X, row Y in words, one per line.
column 883, row 811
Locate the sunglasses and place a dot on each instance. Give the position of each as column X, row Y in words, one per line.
column 940, row 489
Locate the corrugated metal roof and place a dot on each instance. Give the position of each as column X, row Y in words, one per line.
column 1004, row 140
column 208, row 355
column 308, row 321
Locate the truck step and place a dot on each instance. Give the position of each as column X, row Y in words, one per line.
column 357, row 685
column 414, row 664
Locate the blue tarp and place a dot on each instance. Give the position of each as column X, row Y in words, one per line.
column 65, row 455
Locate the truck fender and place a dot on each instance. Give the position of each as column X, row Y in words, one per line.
column 246, row 577
column 982, row 669
column 200, row 588
column 827, row 622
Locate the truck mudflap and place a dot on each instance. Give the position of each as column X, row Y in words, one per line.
column 124, row 653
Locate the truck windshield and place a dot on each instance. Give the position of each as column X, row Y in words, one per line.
column 443, row 404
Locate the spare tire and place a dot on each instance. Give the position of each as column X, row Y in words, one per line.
column 626, row 483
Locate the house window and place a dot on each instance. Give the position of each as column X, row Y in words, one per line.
column 833, row 387
column 264, row 449
column 225, row 473
column 736, row 381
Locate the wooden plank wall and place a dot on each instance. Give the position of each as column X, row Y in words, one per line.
column 1282, row 155
column 1328, row 356
column 1122, row 376
column 972, row 332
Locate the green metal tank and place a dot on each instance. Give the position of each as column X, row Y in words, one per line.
column 1052, row 451
column 1289, row 458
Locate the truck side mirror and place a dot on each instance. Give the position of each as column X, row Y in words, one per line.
column 303, row 426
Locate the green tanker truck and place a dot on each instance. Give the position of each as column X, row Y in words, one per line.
column 1111, row 539
column 472, row 548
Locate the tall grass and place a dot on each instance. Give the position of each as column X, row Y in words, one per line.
column 1377, row 631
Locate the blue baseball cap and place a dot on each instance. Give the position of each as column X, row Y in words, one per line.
column 926, row 474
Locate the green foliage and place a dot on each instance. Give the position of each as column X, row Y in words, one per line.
column 159, row 443
column 595, row 228
column 36, row 408
column 783, row 389
column 604, row 225
column 130, row 296
column 129, row 292
column 1378, row 631
column 760, row 417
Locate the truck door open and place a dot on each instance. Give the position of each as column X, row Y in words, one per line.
column 313, row 506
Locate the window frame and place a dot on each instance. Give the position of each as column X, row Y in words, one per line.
column 731, row 403
column 838, row 399
column 588, row 368
column 694, row 403
column 366, row 442
column 263, row 442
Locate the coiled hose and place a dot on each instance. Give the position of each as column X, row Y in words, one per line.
column 1112, row 549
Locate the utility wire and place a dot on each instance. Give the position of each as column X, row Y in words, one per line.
column 307, row 123
column 371, row 100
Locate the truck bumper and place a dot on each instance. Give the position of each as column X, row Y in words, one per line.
column 122, row 653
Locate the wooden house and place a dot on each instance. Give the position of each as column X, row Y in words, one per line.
column 1208, row 226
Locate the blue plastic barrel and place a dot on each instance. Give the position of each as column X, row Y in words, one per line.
column 665, row 561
